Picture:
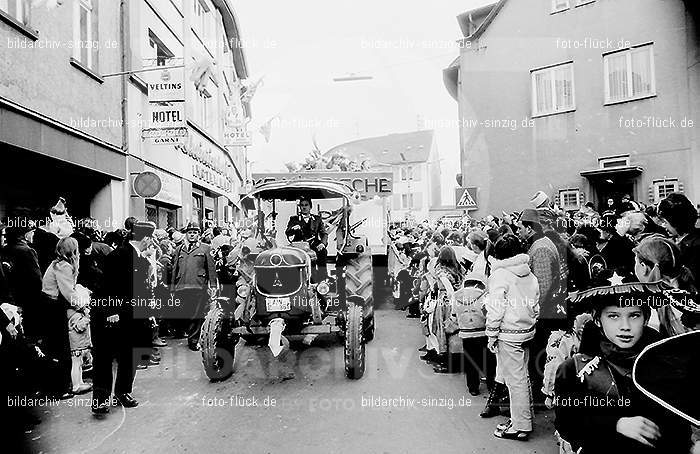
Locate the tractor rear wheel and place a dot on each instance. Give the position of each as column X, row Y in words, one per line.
column 368, row 333
column 358, row 277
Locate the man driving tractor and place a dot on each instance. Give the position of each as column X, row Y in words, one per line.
column 309, row 227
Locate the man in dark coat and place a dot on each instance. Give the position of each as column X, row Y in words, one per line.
column 24, row 279
column 679, row 215
column 309, row 227
column 114, row 329
column 194, row 272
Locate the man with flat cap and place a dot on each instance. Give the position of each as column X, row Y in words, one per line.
column 115, row 329
column 309, row 227
column 194, row 279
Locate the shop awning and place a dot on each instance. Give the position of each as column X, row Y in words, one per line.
column 625, row 172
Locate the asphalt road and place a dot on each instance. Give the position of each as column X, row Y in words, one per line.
column 300, row 404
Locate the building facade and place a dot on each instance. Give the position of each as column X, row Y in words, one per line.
column 201, row 176
column 60, row 121
column 413, row 159
column 566, row 97
column 74, row 102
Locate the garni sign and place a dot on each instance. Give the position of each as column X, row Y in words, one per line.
column 164, row 135
column 368, row 184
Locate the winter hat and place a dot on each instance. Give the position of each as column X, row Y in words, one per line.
column 178, row 237
column 160, row 234
column 539, row 200
column 530, row 215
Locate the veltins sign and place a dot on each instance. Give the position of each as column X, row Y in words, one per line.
column 167, row 86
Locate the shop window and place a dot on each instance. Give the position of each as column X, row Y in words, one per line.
column 629, row 74
column 17, row 10
column 171, row 218
column 152, row 214
column 196, row 207
column 662, row 188
column 85, row 34
column 553, row 90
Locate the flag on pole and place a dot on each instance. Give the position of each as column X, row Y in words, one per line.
column 202, row 71
column 249, row 92
column 266, row 129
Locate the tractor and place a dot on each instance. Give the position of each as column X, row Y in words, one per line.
column 275, row 295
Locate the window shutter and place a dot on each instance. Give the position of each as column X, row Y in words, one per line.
column 397, row 201
column 417, row 170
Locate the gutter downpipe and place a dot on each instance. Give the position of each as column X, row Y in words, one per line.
column 125, row 60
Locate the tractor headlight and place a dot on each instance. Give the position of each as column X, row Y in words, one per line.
column 360, row 249
column 243, row 291
column 323, row 288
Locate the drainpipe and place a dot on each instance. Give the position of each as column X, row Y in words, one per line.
column 125, row 63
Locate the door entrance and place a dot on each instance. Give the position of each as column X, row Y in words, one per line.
column 613, row 188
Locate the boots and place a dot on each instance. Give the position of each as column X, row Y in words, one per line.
column 497, row 402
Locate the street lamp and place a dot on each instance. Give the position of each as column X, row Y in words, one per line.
column 352, row 77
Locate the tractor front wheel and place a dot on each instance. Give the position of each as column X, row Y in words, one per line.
column 218, row 344
column 354, row 344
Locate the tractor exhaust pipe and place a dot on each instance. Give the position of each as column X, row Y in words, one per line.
column 277, row 342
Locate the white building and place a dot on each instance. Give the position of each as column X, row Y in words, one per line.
column 414, row 160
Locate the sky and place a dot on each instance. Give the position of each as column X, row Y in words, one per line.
column 299, row 47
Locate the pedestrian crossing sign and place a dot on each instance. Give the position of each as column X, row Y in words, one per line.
column 466, row 198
